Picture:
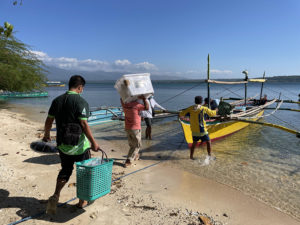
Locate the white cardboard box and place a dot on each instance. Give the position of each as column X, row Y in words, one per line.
column 130, row 86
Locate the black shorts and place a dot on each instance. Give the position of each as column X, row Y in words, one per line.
column 204, row 138
column 67, row 163
column 148, row 121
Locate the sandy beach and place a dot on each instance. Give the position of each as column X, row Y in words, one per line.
column 155, row 195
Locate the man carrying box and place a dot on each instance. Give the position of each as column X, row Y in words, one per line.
column 133, row 127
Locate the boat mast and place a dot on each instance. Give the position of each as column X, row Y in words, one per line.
column 208, row 88
column 246, row 79
column 262, row 85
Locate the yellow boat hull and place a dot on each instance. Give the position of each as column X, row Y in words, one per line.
column 216, row 130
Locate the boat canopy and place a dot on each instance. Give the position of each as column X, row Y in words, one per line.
column 257, row 80
column 236, row 82
column 226, row 82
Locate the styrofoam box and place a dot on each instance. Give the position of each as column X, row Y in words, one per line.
column 130, row 86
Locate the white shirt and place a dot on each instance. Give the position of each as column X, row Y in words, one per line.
column 152, row 104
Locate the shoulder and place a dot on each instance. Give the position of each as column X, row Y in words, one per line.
column 206, row 109
column 78, row 99
column 58, row 99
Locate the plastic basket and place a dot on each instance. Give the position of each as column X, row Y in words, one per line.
column 93, row 181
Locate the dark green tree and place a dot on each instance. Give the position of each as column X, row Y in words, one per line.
column 7, row 29
column 20, row 69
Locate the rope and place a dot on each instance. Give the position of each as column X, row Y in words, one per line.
column 286, row 122
column 227, row 89
column 278, row 93
column 119, row 178
column 289, row 91
column 180, row 93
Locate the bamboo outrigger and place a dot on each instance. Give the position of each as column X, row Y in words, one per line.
column 244, row 112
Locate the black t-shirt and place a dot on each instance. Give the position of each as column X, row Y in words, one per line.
column 68, row 108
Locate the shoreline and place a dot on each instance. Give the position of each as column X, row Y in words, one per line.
column 158, row 195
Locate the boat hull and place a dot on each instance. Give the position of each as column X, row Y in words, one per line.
column 103, row 116
column 24, row 95
column 216, row 130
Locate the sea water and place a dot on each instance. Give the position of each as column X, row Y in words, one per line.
column 260, row 161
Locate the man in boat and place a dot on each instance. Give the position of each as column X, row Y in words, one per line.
column 260, row 101
column 74, row 137
column 133, row 127
column 263, row 100
column 198, row 124
column 148, row 115
column 213, row 103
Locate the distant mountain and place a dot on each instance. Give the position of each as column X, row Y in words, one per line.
column 55, row 73
column 286, row 78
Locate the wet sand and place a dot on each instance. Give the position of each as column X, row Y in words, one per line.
column 156, row 195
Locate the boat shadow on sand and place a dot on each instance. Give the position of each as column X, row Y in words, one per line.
column 35, row 208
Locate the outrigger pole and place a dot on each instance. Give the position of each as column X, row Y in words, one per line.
column 246, row 79
column 269, row 125
column 284, row 101
column 262, row 86
column 208, row 86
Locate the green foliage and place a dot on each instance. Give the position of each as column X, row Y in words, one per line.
column 20, row 70
column 7, row 29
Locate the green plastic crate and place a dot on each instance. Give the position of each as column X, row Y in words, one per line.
column 93, row 181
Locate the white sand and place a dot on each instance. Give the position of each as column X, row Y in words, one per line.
column 157, row 195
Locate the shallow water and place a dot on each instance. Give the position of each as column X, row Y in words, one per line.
column 260, row 161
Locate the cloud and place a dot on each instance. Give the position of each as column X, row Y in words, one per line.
column 120, row 65
column 94, row 65
column 214, row 71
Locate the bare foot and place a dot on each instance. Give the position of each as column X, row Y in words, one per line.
column 52, row 205
column 137, row 156
column 81, row 204
column 127, row 163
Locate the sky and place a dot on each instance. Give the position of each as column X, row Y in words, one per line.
column 163, row 37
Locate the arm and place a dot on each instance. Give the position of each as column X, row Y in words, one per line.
column 88, row 133
column 122, row 103
column 183, row 112
column 48, row 126
column 155, row 104
column 146, row 104
column 211, row 113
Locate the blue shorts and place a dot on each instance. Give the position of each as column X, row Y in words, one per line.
column 204, row 138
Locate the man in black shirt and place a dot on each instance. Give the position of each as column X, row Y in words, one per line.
column 74, row 137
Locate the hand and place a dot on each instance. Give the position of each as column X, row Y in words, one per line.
column 95, row 147
column 142, row 97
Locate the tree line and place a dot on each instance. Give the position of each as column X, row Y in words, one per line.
column 20, row 69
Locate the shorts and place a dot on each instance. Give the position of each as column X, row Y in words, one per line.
column 204, row 138
column 148, row 121
column 67, row 163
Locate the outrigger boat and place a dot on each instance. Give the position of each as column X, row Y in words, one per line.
column 104, row 115
column 243, row 113
column 37, row 94
column 54, row 84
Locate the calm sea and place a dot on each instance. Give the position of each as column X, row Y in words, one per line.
column 260, row 161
